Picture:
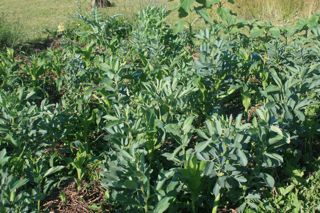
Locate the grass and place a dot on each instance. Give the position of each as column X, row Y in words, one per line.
column 35, row 16
column 279, row 11
column 9, row 33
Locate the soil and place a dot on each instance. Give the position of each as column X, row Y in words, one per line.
column 77, row 201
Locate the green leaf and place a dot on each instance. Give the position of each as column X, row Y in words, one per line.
column 179, row 26
column 268, row 179
column 241, row 179
column 218, row 126
column 276, row 78
column 226, row 15
column 201, row 146
column 187, row 125
column 287, row 190
column 210, row 128
column 130, row 184
column 276, row 129
column 216, row 189
column 202, row 134
column 173, row 129
column 185, row 6
column 313, row 22
column 246, row 100
column 208, row 3
column 53, row 170
column 275, row 32
column 203, row 13
column 110, row 118
column 257, row 32
column 163, row 205
column 107, row 69
column 300, row 115
column 31, row 93
column 274, row 140
column 243, row 158
column 87, row 93
column 3, row 158
column 277, row 159
column 18, row 184
column 302, row 104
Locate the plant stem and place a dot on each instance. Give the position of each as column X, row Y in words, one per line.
column 193, row 203
column 216, row 203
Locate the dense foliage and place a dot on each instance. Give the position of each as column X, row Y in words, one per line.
column 220, row 119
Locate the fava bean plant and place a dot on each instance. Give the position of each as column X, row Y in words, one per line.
column 220, row 119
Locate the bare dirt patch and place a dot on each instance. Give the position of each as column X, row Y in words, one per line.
column 88, row 199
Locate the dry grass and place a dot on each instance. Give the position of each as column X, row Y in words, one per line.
column 72, row 200
column 277, row 11
column 36, row 15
